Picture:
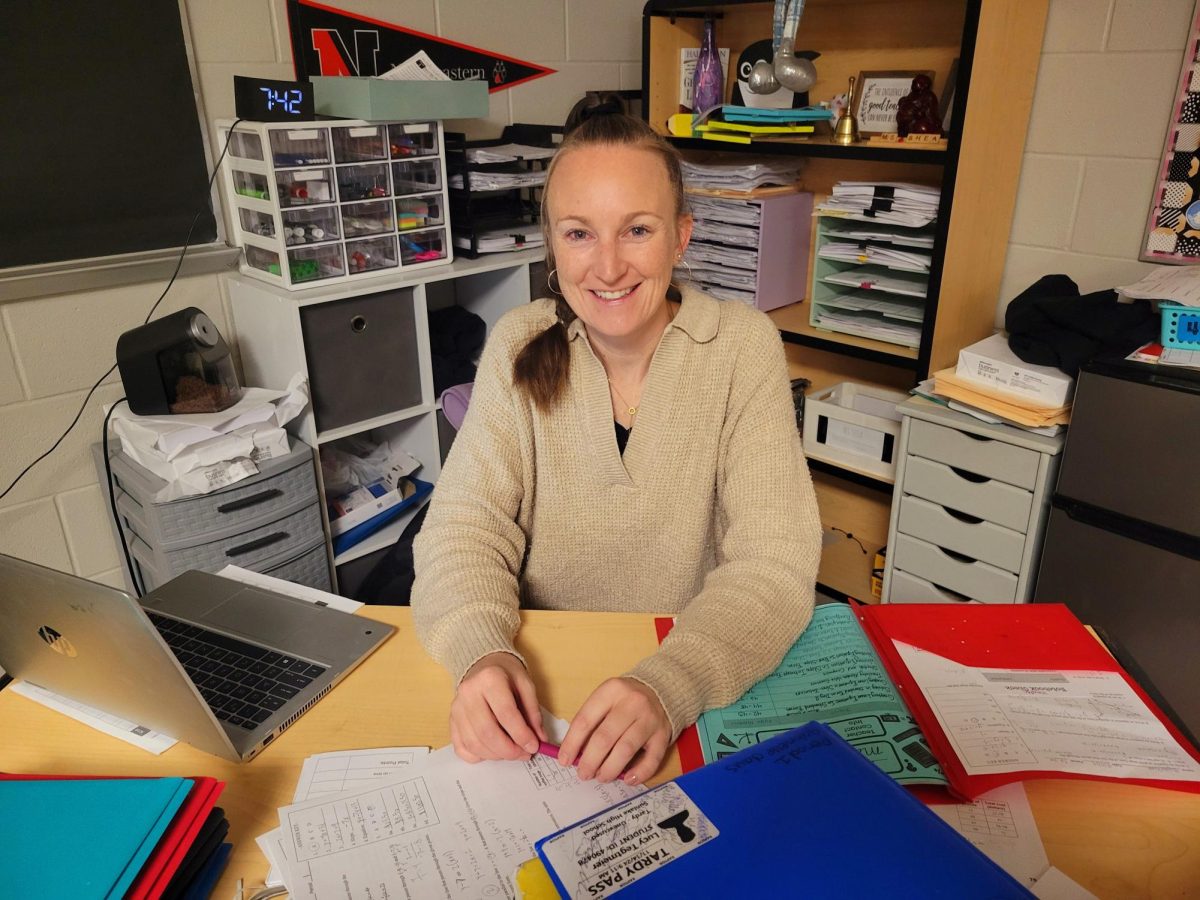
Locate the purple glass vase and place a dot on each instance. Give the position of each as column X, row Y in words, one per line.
column 708, row 84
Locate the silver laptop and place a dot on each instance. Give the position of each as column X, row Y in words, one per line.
column 223, row 666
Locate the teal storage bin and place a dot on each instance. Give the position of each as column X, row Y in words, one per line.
column 1180, row 326
column 381, row 100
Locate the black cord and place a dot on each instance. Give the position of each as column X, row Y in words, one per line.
column 112, row 501
column 178, row 265
column 850, row 537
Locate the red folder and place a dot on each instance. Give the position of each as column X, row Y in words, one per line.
column 688, row 744
column 174, row 844
column 1009, row 636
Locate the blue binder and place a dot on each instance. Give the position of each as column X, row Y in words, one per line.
column 803, row 814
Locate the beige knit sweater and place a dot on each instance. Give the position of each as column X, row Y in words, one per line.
column 710, row 514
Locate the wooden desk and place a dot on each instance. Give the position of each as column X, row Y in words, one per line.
column 1116, row 840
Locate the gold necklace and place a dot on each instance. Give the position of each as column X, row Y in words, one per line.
column 629, row 407
column 632, row 410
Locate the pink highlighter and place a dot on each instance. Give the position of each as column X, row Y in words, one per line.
column 548, row 749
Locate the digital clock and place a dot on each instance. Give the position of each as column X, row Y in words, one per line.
column 267, row 100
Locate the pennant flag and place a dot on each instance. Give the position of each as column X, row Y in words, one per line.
column 330, row 41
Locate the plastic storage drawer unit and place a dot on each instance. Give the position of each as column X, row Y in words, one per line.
column 269, row 523
column 969, row 508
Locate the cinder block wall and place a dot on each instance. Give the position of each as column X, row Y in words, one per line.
column 1103, row 98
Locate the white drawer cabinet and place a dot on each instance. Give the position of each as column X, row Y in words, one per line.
column 969, row 509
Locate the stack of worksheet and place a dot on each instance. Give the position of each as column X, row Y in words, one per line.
column 744, row 175
column 871, row 280
column 404, row 822
column 898, row 203
column 746, row 248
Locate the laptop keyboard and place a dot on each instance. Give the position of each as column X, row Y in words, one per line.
column 242, row 683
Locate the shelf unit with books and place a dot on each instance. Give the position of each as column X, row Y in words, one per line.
column 993, row 47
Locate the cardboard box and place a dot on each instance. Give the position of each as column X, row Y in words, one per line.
column 990, row 363
column 855, row 426
column 381, row 100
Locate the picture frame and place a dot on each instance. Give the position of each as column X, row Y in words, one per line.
column 877, row 96
column 1172, row 232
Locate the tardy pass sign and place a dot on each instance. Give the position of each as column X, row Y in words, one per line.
column 330, row 41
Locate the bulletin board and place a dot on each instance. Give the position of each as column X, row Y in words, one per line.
column 1173, row 226
column 102, row 152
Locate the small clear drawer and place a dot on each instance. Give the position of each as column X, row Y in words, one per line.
column 359, row 143
column 371, row 254
column 300, row 147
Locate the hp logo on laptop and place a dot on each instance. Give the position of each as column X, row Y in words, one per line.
column 57, row 642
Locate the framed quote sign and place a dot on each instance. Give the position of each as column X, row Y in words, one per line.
column 877, row 97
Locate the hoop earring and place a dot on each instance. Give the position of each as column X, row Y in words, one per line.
column 550, row 285
column 687, row 267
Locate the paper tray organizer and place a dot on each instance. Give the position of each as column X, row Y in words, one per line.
column 474, row 212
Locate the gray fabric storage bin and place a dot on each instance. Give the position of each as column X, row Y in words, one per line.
column 282, row 486
column 362, row 357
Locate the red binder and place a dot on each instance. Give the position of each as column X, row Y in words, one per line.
column 1010, row 636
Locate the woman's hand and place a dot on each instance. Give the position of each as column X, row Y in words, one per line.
column 495, row 713
column 621, row 720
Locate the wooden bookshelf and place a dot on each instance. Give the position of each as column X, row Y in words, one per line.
column 997, row 46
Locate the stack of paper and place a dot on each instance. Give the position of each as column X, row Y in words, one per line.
column 741, row 176
column 1014, row 411
column 993, row 385
column 508, row 153
column 894, row 319
column 497, row 181
column 1180, row 284
column 901, row 237
column 137, row 838
column 870, row 280
column 201, row 452
column 400, row 823
column 902, row 203
column 503, row 240
column 905, row 260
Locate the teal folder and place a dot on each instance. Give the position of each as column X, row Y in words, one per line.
column 82, row 839
column 803, row 814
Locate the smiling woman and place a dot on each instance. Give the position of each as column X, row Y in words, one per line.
column 630, row 446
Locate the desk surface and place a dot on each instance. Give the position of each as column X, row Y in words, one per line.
column 1116, row 840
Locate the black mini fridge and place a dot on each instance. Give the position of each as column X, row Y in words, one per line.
column 1122, row 546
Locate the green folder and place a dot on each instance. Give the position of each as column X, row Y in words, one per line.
column 82, row 838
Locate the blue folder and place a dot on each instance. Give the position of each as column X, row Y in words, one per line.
column 82, row 838
column 801, row 815
column 348, row 539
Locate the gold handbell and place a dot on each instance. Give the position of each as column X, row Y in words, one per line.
column 846, row 129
